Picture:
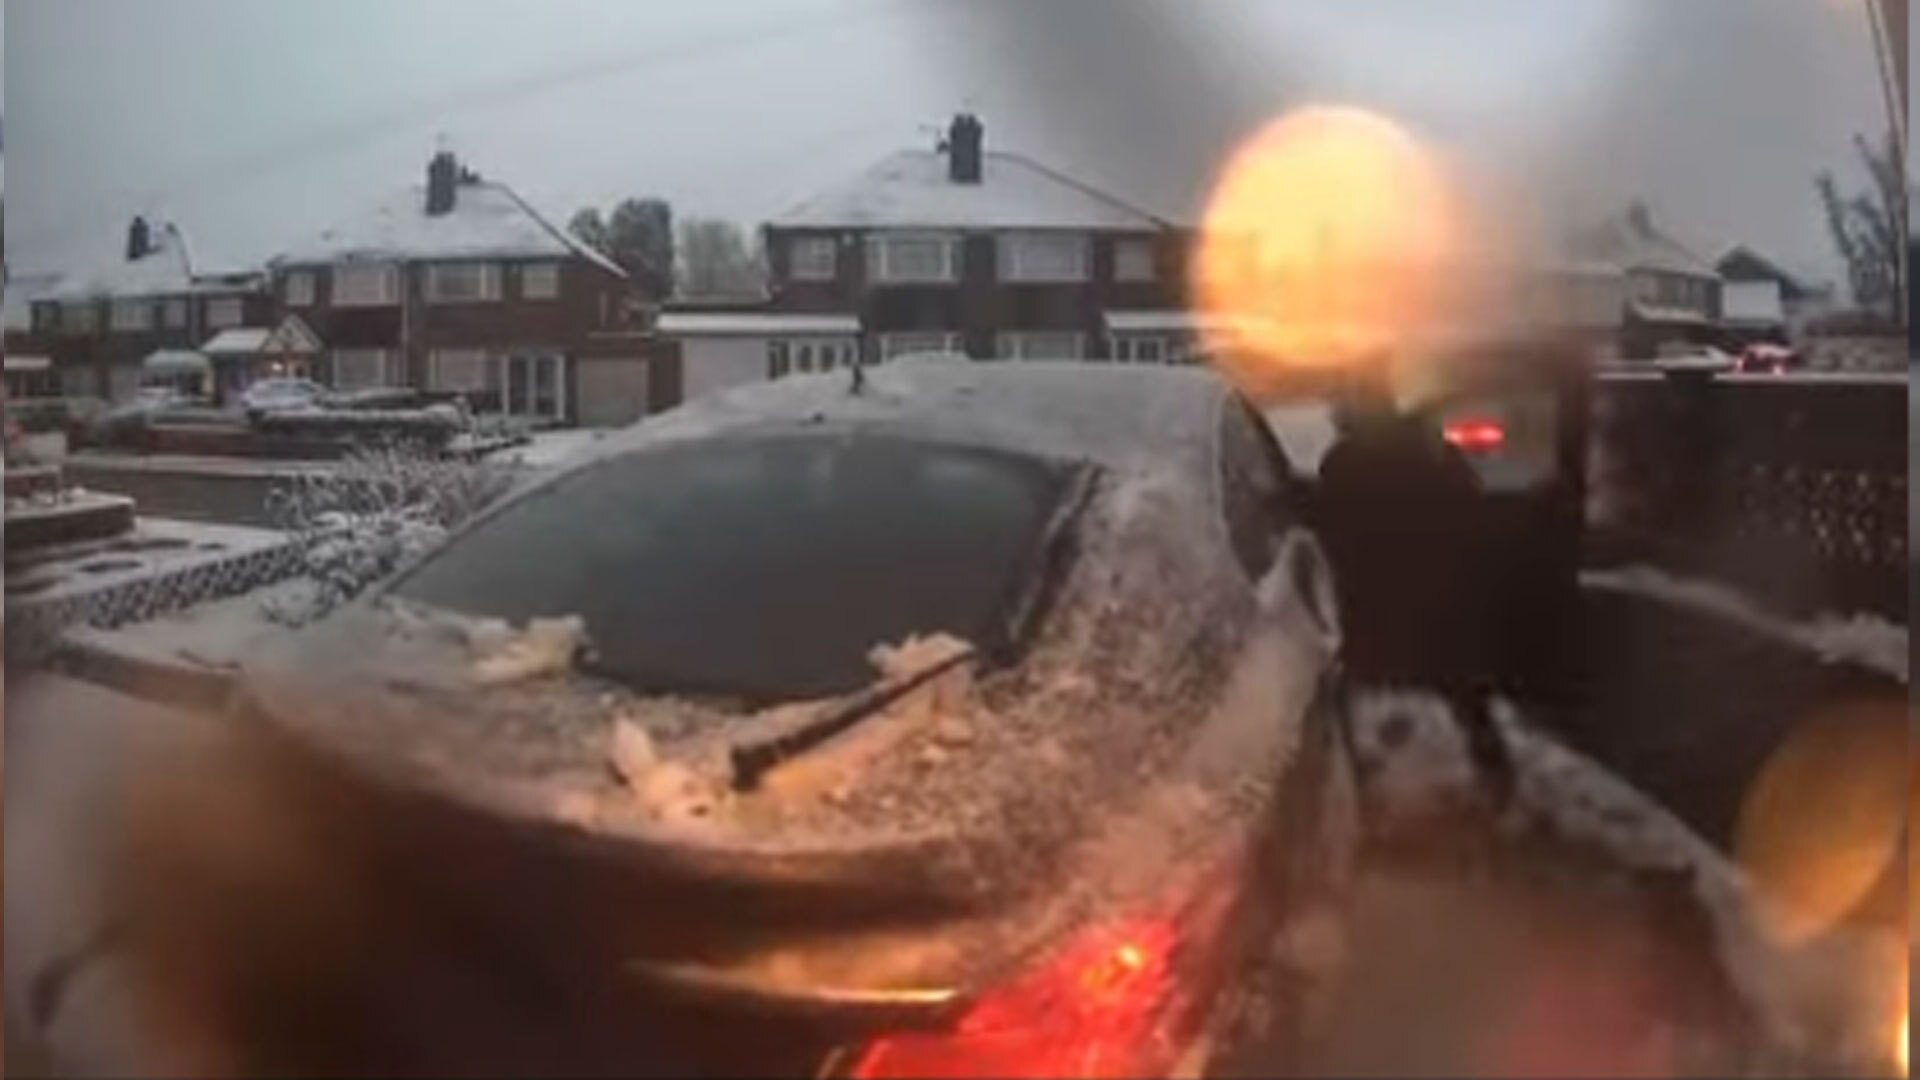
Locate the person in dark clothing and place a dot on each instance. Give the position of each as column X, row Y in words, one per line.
column 1398, row 509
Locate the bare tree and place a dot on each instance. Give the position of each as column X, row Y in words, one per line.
column 716, row 259
column 1870, row 229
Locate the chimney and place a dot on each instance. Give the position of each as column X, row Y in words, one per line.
column 1640, row 218
column 139, row 240
column 443, row 175
column 963, row 149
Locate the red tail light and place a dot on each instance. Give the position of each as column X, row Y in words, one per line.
column 1118, row 999
column 1476, row 435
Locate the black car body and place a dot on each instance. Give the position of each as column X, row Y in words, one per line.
column 1148, row 781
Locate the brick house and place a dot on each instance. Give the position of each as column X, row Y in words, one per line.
column 957, row 248
column 100, row 327
column 1673, row 295
column 460, row 287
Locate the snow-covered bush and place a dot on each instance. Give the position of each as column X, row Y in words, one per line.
column 359, row 521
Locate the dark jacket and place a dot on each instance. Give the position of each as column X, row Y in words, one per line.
column 1397, row 511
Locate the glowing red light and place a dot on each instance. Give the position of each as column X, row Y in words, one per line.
column 1098, row 1006
column 1475, row 435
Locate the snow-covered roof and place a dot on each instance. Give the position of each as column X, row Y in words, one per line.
column 488, row 220
column 752, row 324
column 911, row 188
column 1637, row 244
column 25, row 362
column 237, row 341
column 160, row 272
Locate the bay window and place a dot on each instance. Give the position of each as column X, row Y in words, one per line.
column 906, row 258
column 131, row 315
column 359, row 369
column 462, row 371
column 813, row 258
column 1042, row 257
column 365, row 284
column 79, row 317
column 224, row 311
column 1133, row 260
column 299, row 288
column 462, row 283
column 539, row 281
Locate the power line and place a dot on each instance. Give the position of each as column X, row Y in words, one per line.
column 344, row 135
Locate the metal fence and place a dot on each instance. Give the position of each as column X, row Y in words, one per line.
column 1791, row 488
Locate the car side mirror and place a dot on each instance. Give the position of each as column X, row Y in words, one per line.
column 1301, row 580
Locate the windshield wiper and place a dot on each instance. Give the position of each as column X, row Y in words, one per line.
column 751, row 761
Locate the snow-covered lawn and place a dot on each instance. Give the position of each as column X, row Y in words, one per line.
column 547, row 449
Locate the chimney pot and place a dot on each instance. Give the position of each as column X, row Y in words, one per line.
column 964, row 152
column 139, row 239
column 443, row 175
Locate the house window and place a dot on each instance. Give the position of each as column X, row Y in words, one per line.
column 1133, row 260
column 357, row 369
column 897, row 345
column 173, row 314
column 1043, row 257
column 460, row 371
column 540, row 281
column 80, row 318
column 365, row 284
column 804, row 355
column 131, row 315
column 813, row 258
column 1040, row 345
column 462, row 283
column 300, row 288
column 914, row 258
column 1139, row 349
column 224, row 311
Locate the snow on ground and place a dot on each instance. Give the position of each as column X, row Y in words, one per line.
column 215, row 635
column 1418, row 783
column 1867, row 640
column 155, row 546
column 547, row 449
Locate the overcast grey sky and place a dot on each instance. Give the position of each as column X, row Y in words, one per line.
column 253, row 123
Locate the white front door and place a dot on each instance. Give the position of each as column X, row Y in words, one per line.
column 534, row 385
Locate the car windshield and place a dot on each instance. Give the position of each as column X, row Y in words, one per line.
column 762, row 568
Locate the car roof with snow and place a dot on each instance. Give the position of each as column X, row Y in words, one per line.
column 1112, row 414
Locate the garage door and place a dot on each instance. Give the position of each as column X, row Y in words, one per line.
column 613, row 390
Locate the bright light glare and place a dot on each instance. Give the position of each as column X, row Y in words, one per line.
column 1330, row 232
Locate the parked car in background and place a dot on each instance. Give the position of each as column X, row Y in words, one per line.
column 956, row 720
column 278, row 395
column 1768, row 359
